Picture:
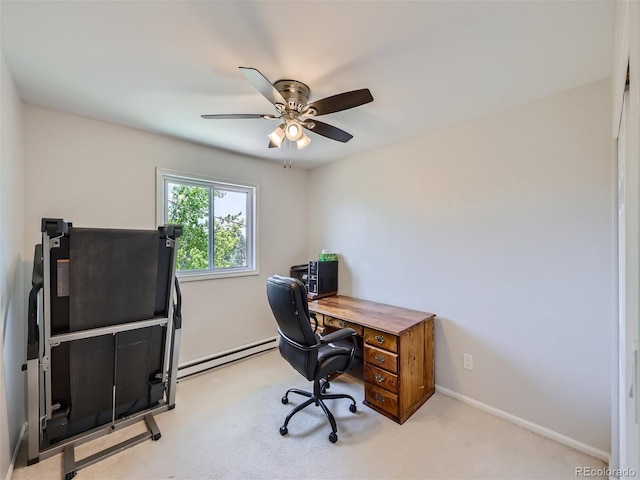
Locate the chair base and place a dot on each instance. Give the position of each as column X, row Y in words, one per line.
column 319, row 388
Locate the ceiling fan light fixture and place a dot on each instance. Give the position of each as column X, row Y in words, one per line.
column 304, row 141
column 277, row 137
column 294, row 131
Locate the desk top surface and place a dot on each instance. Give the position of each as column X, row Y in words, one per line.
column 380, row 316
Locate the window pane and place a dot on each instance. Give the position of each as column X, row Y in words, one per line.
column 218, row 220
column 230, row 229
column 188, row 205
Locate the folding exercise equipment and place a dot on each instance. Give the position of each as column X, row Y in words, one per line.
column 103, row 337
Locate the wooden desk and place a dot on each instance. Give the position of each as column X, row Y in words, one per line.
column 398, row 351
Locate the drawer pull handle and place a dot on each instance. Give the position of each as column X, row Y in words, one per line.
column 378, row 397
column 379, row 358
column 379, row 339
column 379, row 378
column 342, row 324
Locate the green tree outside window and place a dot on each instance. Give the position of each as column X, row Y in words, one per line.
column 189, row 206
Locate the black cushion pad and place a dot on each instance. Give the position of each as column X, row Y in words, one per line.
column 113, row 275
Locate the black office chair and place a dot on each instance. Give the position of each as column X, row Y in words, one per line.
column 314, row 356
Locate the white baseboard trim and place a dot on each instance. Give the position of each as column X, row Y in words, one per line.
column 23, row 432
column 228, row 356
column 534, row 427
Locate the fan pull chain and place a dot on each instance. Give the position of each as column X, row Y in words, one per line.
column 284, row 153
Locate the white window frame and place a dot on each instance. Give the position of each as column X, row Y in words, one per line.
column 163, row 177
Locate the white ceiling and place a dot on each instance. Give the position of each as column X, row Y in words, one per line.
column 159, row 65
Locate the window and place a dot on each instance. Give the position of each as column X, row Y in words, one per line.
column 218, row 221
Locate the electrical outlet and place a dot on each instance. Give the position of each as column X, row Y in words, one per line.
column 468, row 361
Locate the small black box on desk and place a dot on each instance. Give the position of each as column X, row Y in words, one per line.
column 323, row 279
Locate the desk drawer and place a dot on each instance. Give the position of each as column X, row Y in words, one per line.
column 381, row 378
column 379, row 397
column 381, row 358
column 381, row 339
column 338, row 323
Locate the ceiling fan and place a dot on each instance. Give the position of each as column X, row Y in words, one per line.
column 290, row 98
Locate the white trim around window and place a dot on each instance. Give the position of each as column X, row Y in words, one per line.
column 164, row 177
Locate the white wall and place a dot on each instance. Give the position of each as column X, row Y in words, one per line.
column 97, row 174
column 502, row 227
column 12, row 294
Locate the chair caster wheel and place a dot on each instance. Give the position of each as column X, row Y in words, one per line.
column 353, row 408
column 283, row 431
column 284, row 400
column 333, row 437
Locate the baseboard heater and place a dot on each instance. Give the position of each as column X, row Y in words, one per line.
column 207, row 363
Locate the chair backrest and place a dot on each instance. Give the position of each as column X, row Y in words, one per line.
column 288, row 300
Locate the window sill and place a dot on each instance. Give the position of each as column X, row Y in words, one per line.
column 197, row 277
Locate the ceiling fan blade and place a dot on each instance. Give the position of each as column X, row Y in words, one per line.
column 236, row 116
column 329, row 131
column 263, row 85
column 342, row 101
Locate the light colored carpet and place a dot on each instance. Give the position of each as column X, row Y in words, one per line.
column 226, row 421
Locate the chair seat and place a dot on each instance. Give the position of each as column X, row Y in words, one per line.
column 334, row 357
column 334, row 348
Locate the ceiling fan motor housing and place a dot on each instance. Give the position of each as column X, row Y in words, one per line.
column 294, row 92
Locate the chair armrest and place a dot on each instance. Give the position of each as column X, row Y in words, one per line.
column 312, row 315
column 341, row 334
column 304, row 348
